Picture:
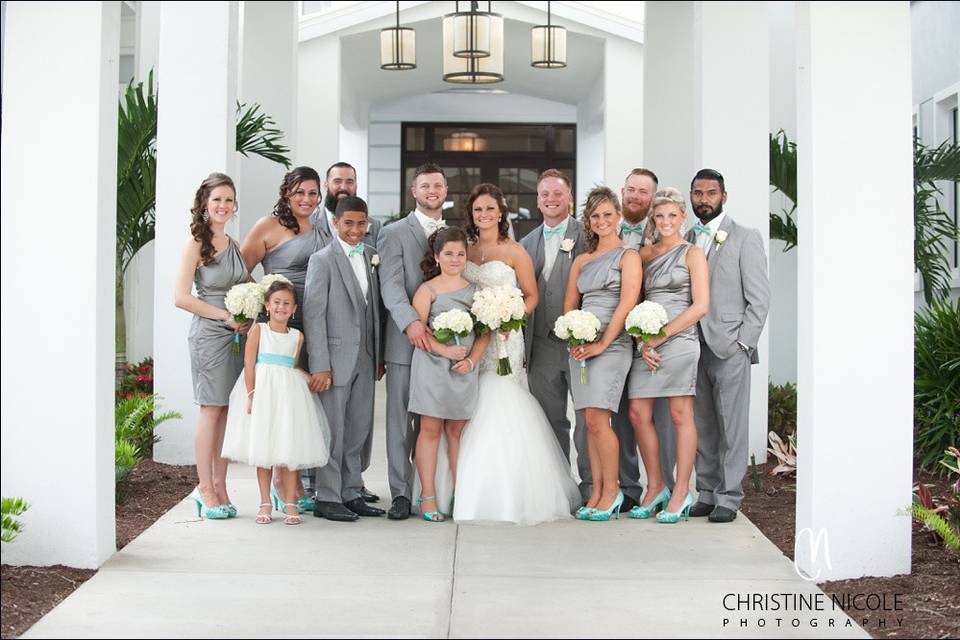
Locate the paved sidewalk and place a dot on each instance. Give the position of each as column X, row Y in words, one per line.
column 629, row 578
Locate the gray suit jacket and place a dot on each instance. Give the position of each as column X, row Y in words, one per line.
column 319, row 219
column 402, row 246
column 335, row 313
column 739, row 290
column 552, row 291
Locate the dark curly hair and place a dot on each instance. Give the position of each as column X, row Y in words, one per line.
column 492, row 190
column 596, row 197
column 199, row 228
column 291, row 181
column 435, row 244
column 279, row 285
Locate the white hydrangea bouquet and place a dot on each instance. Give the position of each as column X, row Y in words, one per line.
column 499, row 309
column 245, row 301
column 646, row 321
column 578, row 327
column 452, row 325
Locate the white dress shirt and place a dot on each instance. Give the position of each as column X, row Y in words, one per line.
column 551, row 246
column 633, row 239
column 359, row 264
column 429, row 224
column 704, row 240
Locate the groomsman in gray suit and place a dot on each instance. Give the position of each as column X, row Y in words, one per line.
column 342, row 325
column 636, row 231
column 402, row 246
column 341, row 182
column 729, row 333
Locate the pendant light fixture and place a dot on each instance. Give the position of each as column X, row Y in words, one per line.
column 473, row 46
column 398, row 47
column 548, row 44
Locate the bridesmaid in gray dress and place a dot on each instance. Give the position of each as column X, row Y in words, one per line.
column 282, row 243
column 212, row 263
column 605, row 281
column 444, row 381
column 675, row 276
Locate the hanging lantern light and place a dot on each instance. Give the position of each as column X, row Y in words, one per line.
column 398, row 47
column 548, row 44
column 473, row 46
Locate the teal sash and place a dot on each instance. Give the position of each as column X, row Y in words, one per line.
column 275, row 358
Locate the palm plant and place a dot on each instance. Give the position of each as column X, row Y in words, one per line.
column 783, row 178
column 934, row 228
column 12, row 508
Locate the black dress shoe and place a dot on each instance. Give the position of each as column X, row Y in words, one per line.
column 334, row 511
column 367, row 496
column 628, row 503
column 701, row 509
column 400, row 509
column 361, row 508
column 722, row 514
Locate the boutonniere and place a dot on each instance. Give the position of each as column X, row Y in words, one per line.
column 720, row 238
column 375, row 261
column 567, row 246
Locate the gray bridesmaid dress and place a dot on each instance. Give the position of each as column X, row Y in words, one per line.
column 599, row 284
column 213, row 364
column 435, row 389
column 290, row 259
column 666, row 280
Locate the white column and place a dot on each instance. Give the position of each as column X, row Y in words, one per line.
column 268, row 76
column 58, row 357
column 706, row 104
column 623, row 105
column 148, row 40
column 196, row 135
column 318, row 103
column 855, row 365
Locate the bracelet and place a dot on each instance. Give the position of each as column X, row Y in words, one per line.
column 251, row 391
column 472, row 366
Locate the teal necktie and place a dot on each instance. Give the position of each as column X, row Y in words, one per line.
column 626, row 228
column 355, row 251
column 702, row 228
column 558, row 230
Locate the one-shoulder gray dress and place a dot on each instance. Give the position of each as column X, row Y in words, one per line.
column 666, row 280
column 213, row 364
column 599, row 285
column 435, row 389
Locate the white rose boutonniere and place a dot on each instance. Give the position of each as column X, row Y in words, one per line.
column 720, row 238
column 375, row 261
column 567, row 246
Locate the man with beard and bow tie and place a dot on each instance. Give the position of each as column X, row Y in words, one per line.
column 729, row 333
column 402, row 246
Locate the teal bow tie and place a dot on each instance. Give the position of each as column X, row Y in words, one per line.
column 558, row 230
column 626, row 228
column 702, row 228
column 355, row 251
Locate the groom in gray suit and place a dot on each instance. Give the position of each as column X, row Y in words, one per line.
column 729, row 333
column 402, row 246
column 342, row 324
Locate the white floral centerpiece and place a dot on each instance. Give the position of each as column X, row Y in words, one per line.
column 578, row 327
column 245, row 302
column 646, row 321
column 499, row 309
column 452, row 325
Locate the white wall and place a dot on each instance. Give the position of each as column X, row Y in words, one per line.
column 591, row 142
column 623, row 106
column 138, row 300
column 318, row 103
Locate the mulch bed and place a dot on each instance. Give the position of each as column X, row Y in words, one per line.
column 28, row 593
column 930, row 594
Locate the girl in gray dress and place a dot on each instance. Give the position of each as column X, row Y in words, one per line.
column 443, row 386
column 212, row 263
column 605, row 281
column 675, row 276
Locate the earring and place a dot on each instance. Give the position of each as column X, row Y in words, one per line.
column 205, row 216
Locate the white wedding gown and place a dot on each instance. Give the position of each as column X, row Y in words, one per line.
column 510, row 466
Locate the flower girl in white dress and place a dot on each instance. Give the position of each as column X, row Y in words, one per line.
column 273, row 418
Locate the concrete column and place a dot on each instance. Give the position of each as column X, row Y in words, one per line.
column 57, row 378
column 706, row 104
column 148, row 40
column 268, row 76
column 196, row 135
column 318, row 103
column 622, row 109
column 855, row 325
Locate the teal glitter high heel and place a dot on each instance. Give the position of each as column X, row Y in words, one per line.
column 642, row 513
column 668, row 517
column 217, row 512
column 431, row 516
column 602, row 515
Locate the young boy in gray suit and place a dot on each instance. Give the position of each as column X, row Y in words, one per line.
column 342, row 321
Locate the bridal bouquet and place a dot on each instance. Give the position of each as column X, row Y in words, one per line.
column 645, row 321
column 453, row 324
column 499, row 308
column 578, row 327
column 245, row 302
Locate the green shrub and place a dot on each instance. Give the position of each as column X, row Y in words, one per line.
column 126, row 457
column 936, row 398
column 782, row 410
column 11, row 508
column 134, row 431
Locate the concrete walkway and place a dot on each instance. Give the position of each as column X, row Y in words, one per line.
column 188, row 578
